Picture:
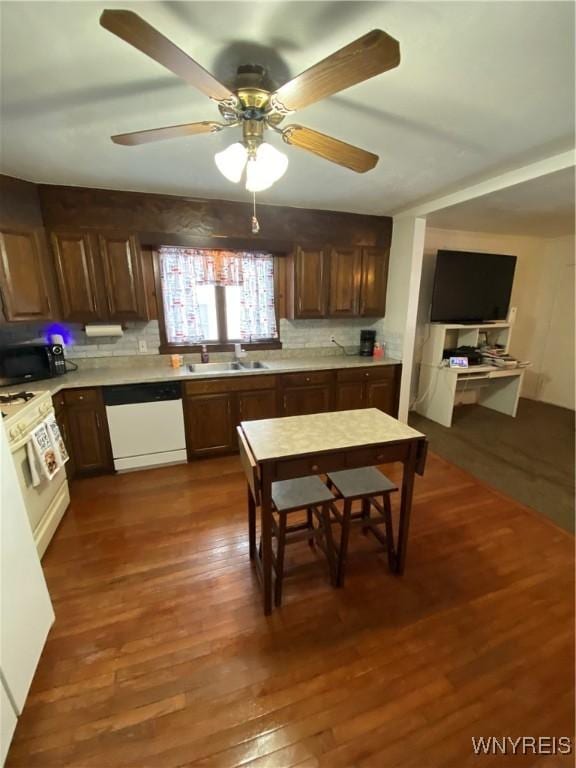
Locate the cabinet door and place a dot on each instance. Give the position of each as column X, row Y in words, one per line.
column 62, row 419
column 22, row 276
column 75, row 269
column 256, row 405
column 310, row 283
column 123, row 277
column 209, row 424
column 374, row 282
column 349, row 395
column 298, row 401
column 88, row 440
column 382, row 394
column 344, row 293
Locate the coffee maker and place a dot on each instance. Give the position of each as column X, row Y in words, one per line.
column 367, row 341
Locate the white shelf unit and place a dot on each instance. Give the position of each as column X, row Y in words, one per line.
column 440, row 386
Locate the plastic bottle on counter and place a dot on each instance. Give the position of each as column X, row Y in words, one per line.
column 204, row 356
column 378, row 351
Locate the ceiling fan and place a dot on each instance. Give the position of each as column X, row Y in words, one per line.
column 255, row 104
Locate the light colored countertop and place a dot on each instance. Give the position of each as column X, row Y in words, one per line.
column 299, row 435
column 135, row 374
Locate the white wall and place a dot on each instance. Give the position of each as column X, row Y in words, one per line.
column 543, row 293
column 404, row 276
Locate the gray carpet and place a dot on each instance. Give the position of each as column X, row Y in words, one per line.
column 530, row 458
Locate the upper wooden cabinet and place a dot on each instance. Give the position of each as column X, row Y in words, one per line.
column 374, row 282
column 123, row 277
column 23, row 279
column 339, row 282
column 100, row 277
column 310, row 283
column 344, row 294
column 76, row 273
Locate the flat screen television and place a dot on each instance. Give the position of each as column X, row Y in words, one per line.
column 471, row 287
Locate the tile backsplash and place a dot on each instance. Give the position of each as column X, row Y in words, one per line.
column 294, row 334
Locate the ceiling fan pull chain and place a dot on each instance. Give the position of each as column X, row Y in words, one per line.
column 255, row 223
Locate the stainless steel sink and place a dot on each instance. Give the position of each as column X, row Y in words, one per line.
column 214, row 367
column 252, row 364
column 244, row 365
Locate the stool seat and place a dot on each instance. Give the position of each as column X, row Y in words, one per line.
column 361, row 482
column 300, row 493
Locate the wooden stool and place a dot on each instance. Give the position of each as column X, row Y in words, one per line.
column 289, row 496
column 308, row 494
column 364, row 484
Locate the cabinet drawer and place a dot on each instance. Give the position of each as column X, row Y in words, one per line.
column 82, row 397
column 315, row 465
column 303, row 379
column 231, row 384
column 367, row 374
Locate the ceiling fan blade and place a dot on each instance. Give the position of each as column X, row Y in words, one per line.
column 336, row 151
column 128, row 26
column 370, row 55
column 170, row 132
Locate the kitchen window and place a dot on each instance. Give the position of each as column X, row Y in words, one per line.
column 217, row 297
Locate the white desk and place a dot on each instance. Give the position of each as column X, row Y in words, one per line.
column 498, row 389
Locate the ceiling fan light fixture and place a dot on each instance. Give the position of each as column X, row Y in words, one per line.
column 232, row 161
column 266, row 167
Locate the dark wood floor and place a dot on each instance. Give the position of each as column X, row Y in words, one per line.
column 160, row 655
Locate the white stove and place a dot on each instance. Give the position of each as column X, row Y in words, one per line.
column 45, row 503
column 21, row 412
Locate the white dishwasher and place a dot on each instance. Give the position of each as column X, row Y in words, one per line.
column 146, row 424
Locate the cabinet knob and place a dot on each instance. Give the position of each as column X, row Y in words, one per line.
column 315, row 468
column 308, row 378
column 380, row 457
column 80, row 397
column 367, row 374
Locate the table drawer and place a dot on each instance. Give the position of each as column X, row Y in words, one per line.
column 377, row 373
column 314, row 465
column 303, row 379
column 367, row 457
column 232, row 384
column 82, row 396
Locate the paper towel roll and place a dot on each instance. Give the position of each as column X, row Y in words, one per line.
column 103, row 330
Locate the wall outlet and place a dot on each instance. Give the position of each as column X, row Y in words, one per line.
column 142, row 346
column 333, row 339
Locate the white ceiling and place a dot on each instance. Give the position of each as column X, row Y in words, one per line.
column 542, row 207
column 481, row 86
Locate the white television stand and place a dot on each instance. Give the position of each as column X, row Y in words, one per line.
column 439, row 386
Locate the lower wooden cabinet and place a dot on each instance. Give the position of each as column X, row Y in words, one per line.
column 298, row 401
column 375, row 387
column 349, row 395
column 256, row 405
column 209, row 424
column 303, row 393
column 86, row 427
column 382, row 395
column 213, row 408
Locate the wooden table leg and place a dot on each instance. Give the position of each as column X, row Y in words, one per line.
column 406, row 506
column 251, row 524
column 266, row 536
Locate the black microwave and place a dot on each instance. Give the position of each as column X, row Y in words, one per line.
column 29, row 362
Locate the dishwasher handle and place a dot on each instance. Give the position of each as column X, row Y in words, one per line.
column 127, row 394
